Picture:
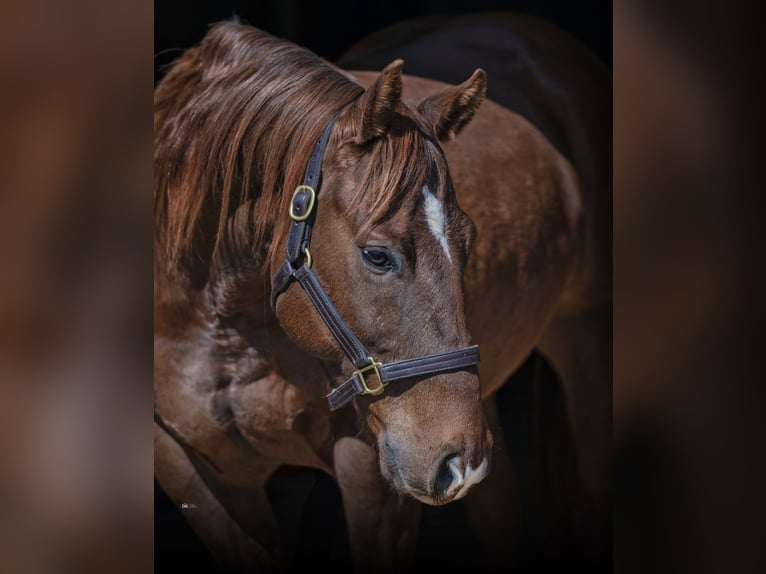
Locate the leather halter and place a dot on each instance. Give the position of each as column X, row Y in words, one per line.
column 298, row 267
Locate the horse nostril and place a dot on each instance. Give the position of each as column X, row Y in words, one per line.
column 447, row 473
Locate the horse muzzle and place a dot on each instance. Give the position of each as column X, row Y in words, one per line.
column 447, row 477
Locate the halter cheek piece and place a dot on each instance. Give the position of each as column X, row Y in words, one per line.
column 298, row 267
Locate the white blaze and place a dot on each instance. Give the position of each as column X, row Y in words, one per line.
column 437, row 222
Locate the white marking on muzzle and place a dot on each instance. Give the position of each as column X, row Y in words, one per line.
column 462, row 482
column 437, row 222
column 457, row 477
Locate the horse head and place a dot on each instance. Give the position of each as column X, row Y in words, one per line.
column 388, row 247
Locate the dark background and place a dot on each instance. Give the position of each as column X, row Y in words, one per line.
column 307, row 501
column 330, row 28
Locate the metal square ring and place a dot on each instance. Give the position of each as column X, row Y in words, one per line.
column 373, row 366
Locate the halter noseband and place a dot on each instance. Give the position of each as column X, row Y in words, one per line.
column 298, row 267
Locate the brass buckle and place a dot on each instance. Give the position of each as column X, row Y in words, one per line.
column 309, row 209
column 373, row 366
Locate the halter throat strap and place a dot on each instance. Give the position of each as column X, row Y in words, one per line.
column 297, row 267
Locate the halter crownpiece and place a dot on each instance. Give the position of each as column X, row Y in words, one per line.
column 297, row 266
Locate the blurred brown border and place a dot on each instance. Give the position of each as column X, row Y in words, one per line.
column 688, row 284
column 76, row 286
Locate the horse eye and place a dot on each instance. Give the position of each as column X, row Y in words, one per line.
column 377, row 258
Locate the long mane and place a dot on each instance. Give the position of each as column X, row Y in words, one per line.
column 234, row 123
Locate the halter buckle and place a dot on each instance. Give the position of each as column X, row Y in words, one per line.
column 373, row 366
column 301, row 189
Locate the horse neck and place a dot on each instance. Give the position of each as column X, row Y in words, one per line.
column 241, row 292
column 231, row 284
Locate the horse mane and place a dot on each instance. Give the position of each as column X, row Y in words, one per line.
column 235, row 120
column 405, row 160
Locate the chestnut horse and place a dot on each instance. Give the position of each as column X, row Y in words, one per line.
column 316, row 305
column 559, row 86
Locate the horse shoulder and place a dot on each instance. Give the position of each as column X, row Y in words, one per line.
column 230, row 404
column 525, row 200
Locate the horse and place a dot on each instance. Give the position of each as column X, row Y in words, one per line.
column 558, row 85
column 331, row 252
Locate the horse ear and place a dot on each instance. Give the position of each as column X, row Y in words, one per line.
column 379, row 101
column 450, row 111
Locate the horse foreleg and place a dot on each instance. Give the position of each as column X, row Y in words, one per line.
column 230, row 546
column 382, row 525
column 493, row 507
column 579, row 348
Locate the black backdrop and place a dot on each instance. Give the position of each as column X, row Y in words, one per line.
column 329, row 29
